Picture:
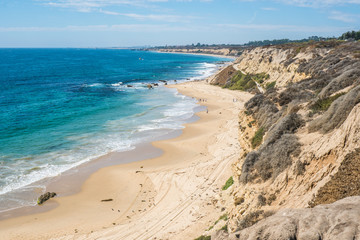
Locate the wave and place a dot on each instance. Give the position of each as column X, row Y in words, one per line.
column 116, row 84
column 154, row 112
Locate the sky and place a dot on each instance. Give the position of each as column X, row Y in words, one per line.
column 129, row 23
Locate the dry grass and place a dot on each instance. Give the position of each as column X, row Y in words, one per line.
column 345, row 183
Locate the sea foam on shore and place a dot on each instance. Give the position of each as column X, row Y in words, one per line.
column 61, row 114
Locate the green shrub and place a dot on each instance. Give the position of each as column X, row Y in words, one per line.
column 257, row 139
column 222, row 217
column 270, row 85
column 225, row 228
column 228, row 183
column 260, row 77
column 322, row 105
column 337, row 112
column 250, row 124
column 202, row 237
column 245, row 82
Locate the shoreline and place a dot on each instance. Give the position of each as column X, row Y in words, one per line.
column 118, row 176
column 52, row 184
column 63, row 183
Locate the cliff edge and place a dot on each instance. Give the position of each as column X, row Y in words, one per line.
column 300, row 143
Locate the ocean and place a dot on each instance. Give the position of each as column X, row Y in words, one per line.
column 60, row 108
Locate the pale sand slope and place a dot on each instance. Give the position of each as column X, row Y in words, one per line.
column 171, row 198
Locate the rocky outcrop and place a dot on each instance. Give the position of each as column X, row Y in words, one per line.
column 43, row 198
column 340, row 220
column 223, row 76
column 275, row 62
column 308, row 126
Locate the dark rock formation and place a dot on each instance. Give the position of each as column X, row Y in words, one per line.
column 43, row 198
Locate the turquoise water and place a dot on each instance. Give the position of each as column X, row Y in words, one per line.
column 60, row 108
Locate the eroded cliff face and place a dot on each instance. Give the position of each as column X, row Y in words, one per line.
column 309, row 129
column 280, row 64
column 218, row 51
column 222, row 76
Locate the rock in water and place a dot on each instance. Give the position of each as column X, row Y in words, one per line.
column 43, row 198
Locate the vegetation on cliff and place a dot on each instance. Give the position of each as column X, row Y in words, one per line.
column 323, row 104
column 244, row 82
column 276, row 153
column 228, row 183
column 345, row 183
column 303, row 133
column 276, row 110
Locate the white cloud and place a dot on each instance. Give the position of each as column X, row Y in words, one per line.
column 344, row 17
column 105, row 28
column 108, row 12
column 160, row 17
column 285, row 28
column 104, row 3
column 319, row 3
column 92, row 5
column 101, row 5
column 312, row 3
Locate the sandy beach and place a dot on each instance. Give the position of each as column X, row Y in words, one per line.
column 168, row 197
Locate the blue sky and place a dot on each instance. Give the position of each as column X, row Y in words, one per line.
column 112, row 23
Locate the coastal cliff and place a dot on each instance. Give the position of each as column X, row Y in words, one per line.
column 300, row 143
column 223, row 51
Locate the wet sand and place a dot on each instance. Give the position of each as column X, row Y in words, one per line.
column 166, row 197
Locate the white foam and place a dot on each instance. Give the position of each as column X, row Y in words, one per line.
column 94, row 85
column 61, row 161
column 116, row 84
column 120, row 135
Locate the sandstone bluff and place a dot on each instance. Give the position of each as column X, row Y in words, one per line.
column 300, row 143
